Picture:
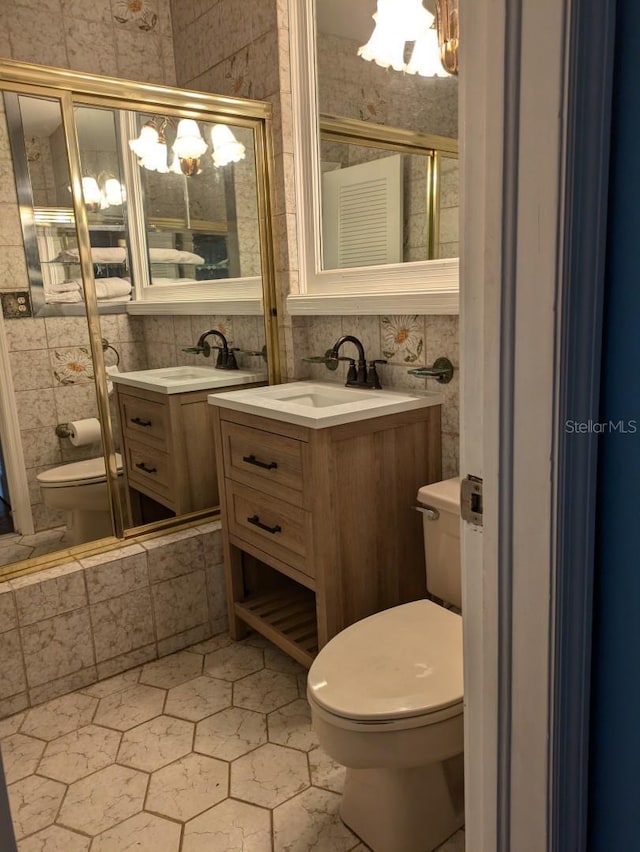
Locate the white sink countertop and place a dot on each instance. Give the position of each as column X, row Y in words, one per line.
column 184, row 379
column 321, row 404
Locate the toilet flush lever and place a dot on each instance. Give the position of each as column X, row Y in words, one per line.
column 431, row 513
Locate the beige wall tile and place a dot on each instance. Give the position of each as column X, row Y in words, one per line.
column 116, row 573
column 180, row 604
column 124, row 662
column 174, row 554
column 122, row 624
column 12, row 674
column 57, row 647
column 63, row 685
column 8, row 617
column 31, row 370
column 49, row 593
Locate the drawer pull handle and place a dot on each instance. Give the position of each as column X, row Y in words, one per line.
column 253, row 460
column 255, row 520
column 140, row 422
column 146, row 469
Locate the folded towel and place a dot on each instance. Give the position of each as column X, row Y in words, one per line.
column 99, row 254
column 160, row 255
column 115, row 300
column 64, row 286
column 107, row 288
column 70, row 297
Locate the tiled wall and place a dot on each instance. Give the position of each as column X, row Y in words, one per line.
column 86, row 620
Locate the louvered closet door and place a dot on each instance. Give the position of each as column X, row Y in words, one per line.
column 362, row 214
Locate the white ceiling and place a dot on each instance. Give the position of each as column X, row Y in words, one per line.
column 41, row 117
column 347, row 18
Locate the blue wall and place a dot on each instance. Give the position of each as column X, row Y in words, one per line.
column 615, row 751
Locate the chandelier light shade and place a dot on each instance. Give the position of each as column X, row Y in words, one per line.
column 114, row 193
column 91, row 194
column 189, row 146
column 146, row 140
column 226, row 148
column 397, row 22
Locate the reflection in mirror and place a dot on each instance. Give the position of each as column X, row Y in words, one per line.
column 379, row 205
column 146, row 229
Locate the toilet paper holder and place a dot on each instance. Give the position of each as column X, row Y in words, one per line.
column 63, row 430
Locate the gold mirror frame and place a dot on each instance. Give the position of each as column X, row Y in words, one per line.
column 73, row 89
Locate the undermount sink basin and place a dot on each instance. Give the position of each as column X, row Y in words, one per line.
column 320, row 404
column 183, row 379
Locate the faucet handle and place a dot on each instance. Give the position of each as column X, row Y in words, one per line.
column 373, row 380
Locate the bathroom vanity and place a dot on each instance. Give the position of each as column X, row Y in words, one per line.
column 167, row 443
column 317, row 486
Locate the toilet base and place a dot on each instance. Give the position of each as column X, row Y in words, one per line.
column 405, row 810
column 85, row 526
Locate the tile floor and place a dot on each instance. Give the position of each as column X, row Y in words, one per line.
column 14, row 547
column 207, row 750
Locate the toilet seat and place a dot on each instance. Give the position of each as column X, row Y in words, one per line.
column 85, row 472
column 400, row 668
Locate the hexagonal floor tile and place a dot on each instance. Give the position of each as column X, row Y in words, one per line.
column 231, row 733
column 210, row 645
column 188, row 787
column 34, row 803
column 173, row 670
column 198, row 698
column 143, row 831
column 55, row 839
column 233, row 662
column 309, row 822
column 325, row 772
column 131, row 707
column 291, row 726
column 102, row 800
column 60, row 716
column 113, row 684
column 229, row 827
column 276, row 659
column 79, row 753
column 156, row 743
column 11, row 725
column 265, row 691
column 20, row 755
column 269, row 775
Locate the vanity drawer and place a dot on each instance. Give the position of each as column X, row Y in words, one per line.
column 143, row 419
column 273, row 463
column 149, row 468
column 278, row 528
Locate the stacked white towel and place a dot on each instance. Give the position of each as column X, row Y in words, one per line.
column 71, row 291
column 106, row 254
column 161, row 255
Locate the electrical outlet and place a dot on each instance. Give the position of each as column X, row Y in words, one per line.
column 16, row 305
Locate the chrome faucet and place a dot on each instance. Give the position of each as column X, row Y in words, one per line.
column 226, row 359
column 363, row 375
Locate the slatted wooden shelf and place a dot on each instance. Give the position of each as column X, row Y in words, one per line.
column 287, row 618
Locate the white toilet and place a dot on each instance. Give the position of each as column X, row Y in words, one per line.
column 80, row 488
column 386, row 702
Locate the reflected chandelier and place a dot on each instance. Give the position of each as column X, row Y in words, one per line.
column 152, row 151
column 435, row 51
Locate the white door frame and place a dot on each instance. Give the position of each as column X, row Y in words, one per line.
column 536, row 77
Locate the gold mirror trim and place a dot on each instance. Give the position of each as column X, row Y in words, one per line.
column 70, row 87
column 372, row 135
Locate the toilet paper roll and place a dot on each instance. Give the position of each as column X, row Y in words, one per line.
column 85, row 432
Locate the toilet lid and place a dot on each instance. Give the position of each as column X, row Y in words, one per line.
column 405, row 661
column 84, row 472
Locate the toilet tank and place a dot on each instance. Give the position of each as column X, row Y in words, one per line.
column 442, row 539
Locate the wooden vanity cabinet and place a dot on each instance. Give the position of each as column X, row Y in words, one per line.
column 168, row 451
column 319, row 528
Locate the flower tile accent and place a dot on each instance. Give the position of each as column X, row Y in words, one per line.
column 310, row 823
column 60, row 716
column 72, row 366
column 103, row 800
column 403, row 339
column 173, row 670
column 20, row 756
column 230, row 826
column 269, row 775
column 141, row 13
column 34, row 803
column 131, row 707
column 79, row 753
column 291, row 726
column 142, row 831
column 325, row 772
column 198, row 698
column 188, row 787
column 231, row 733
column 265, row 691
column 156, row 743
column 55, row 839
column 233, row 662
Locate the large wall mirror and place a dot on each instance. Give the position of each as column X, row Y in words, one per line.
column 139, row 279
column 378, row 179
